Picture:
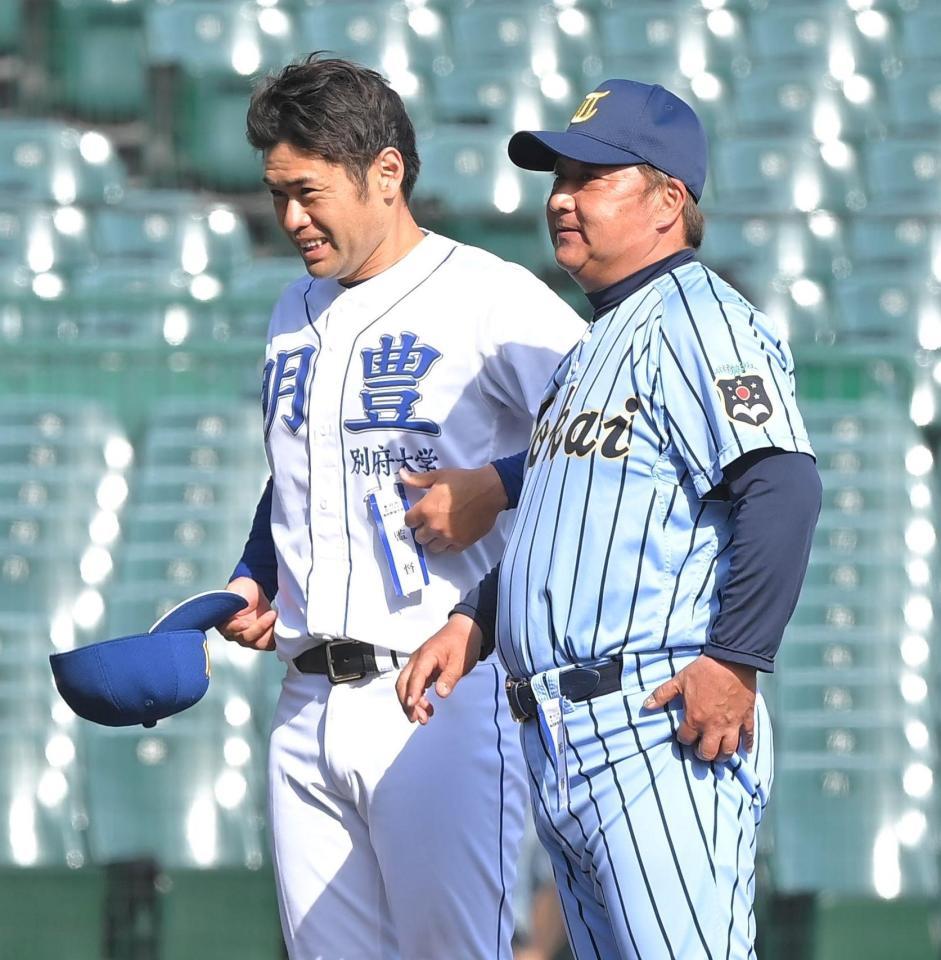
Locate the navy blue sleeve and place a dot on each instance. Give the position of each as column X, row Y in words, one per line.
column 258, row 558
column 511, row 470
column 775, row 499
column 480, row 605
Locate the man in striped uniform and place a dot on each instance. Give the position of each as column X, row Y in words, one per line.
column 658, row 550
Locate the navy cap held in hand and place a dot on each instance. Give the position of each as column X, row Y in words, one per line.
column 145, row 677
column 621, row 123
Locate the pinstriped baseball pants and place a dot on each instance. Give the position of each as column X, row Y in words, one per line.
column 654, row 853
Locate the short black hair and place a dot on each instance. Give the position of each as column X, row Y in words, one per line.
column 336, row 109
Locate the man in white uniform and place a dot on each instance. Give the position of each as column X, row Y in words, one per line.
column 399, row 351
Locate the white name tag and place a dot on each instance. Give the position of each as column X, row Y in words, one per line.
column 550, row 717
column 404, row 555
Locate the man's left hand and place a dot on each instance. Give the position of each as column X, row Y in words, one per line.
column 719, row 706
column 459, row 508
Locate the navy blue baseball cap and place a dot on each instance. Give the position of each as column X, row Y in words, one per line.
column 145, row 677
column 623, row 122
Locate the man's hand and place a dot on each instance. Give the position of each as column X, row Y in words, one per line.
column 441, row 660
column 252, row 627
column 459, row 508
column 719, row 705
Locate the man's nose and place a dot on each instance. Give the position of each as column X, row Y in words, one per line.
column 295, row 216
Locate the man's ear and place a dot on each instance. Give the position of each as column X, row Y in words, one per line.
column 671, row 198
column 390, row 169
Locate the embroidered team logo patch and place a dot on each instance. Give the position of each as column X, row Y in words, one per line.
column 746, row 400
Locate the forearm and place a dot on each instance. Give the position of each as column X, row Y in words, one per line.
column 480, row 604
column 776, row 502
column 511, row 470
column 258, row 560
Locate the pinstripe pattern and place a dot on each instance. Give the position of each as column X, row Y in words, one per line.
column 621, row 547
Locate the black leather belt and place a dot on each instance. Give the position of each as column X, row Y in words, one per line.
column 341, row 660
column 575, row 684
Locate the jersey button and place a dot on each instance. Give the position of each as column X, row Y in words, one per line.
column 323, row 504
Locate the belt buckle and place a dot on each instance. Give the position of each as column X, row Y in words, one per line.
column 512, row 696
column 332, row 672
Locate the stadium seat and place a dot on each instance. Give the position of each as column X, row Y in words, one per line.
column 506, row 98
column 646, row 34
column 46, row 162
column 920, row 27
column 915, row 101
column 173, row 228
column 826, row 823
column 39, row 800
column 97, row 58
column 465, row 171
column 773, row 99
column 169, row 793
column 880, row 305
column 904, row 176
column 907, row 242
column 775, row 175
column 203, row 55
column 42, row 239
column 147, row 303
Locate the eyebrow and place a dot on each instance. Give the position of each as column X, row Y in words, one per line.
column 299, row 182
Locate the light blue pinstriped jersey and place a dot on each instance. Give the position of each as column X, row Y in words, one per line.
column 618, row 546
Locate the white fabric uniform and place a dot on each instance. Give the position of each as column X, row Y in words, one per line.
column 394, row 841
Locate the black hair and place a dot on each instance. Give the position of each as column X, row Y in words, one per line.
column 337, row 110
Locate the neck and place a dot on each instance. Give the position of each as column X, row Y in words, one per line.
column 399, row 239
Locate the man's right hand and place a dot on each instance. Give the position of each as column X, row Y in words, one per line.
column 252, row 627
column 441, row 660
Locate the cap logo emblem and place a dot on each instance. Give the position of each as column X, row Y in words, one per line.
column 589, row 106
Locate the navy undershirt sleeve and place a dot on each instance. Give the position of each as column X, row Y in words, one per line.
column 258, row 558
column 480, row 604
column 775, row 499
column 511, row 470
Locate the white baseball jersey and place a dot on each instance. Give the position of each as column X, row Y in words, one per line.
column 394, row 373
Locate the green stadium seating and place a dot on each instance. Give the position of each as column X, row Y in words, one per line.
column 880, row 305
column 902, row 241
column 920, row 28
column 211, row 50
column 646, row 34
column 41, row 239
column 465, row 171
column 506, row 98
column 44, row 161
column 173, row 228
column 775, row 175
column 826, row 822
column 915, row 101
column 169, row 794
column 39, row 802
column 97, row 57
column 904, row 176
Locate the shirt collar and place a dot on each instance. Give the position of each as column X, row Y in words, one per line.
column 608, row 297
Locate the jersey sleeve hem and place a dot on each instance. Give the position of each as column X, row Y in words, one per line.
column 711, row 477
column 764, row 664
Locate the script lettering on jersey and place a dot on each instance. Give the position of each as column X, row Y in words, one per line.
column 285, row 379
column 382, row 461
column 391, row 374
column 589, row 431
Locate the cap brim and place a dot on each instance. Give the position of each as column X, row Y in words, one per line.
column 201, row 612
column 539, row 150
